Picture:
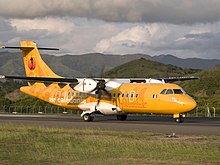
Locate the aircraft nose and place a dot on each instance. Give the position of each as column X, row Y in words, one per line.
column 190, row 104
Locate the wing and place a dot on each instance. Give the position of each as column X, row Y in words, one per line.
column 119, row 80
column 88, row 84
column 173, row 79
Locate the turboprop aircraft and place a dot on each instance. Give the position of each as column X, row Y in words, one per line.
column 104, row 96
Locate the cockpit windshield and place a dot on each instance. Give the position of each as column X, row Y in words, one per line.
column 163, row 91
column 169, row 91
column 177, row 91
column 172, row 91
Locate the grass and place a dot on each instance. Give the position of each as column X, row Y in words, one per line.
column 34, row 145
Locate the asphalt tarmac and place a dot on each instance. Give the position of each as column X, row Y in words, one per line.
column 156, row 124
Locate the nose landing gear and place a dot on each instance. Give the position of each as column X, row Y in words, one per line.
column 179, row 118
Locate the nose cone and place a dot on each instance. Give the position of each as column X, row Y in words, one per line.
column 189, row 104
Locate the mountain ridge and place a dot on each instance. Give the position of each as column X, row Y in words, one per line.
column 195, row 63
column 92, row 64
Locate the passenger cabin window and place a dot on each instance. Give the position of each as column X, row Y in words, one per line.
column 163, row 91
column 122, row 95
column 169, row 91
column 136, row 95
column 177, row 91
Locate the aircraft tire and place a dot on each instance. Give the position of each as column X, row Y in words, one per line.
column 179, row 119
column 88, row 117
column 121, row 117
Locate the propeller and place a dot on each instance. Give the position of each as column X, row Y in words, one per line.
column 97, row 85
column 100, row 88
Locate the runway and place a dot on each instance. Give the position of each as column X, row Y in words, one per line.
column 155, row 124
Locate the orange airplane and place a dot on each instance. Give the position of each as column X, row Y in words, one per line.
column 104, row 96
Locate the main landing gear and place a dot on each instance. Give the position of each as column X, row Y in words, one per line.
column 121, row 117
column 88, row 117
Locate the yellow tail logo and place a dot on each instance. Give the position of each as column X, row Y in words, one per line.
column 34, row 65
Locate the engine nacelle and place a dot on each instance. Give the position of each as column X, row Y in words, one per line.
column 86, row 85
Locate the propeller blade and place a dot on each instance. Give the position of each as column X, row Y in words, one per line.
column 93, row 90
column 99, row 97
column 83, row 85
column 109, row 94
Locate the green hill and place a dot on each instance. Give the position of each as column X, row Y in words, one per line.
column 206, row 90
column 148, row 69
column 208, row 84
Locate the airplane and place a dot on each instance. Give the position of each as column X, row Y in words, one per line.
column 105, row 96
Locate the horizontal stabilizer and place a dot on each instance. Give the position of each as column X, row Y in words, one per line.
column 21, row 47
column 43, row 79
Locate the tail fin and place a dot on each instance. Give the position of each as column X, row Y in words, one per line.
column 34, row 65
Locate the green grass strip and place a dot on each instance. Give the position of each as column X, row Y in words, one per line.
column 36, row 145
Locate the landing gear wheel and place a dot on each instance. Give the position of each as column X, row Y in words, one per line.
column 121, row 117
column 179, row 119
column 88, row 117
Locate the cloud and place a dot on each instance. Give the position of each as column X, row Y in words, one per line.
column 53, row 25
column 200, row 30
column 80, row 35
column 197, row 43
column 136, row 38
column 149, row 11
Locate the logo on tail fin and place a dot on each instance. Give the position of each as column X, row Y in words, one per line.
column 31, row 64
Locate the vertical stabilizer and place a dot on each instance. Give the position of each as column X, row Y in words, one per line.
column 33, row 63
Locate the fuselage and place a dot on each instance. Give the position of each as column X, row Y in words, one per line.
column 127, row 98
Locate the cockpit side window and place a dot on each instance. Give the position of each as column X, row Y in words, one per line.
column 169, row 91
column 177, row 91
column 163, row 91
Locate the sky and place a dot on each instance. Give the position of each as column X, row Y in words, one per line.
column 183, row 28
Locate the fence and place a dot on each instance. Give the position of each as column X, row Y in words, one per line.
column 198, row 112
column 36, row 110
column 205, row 112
